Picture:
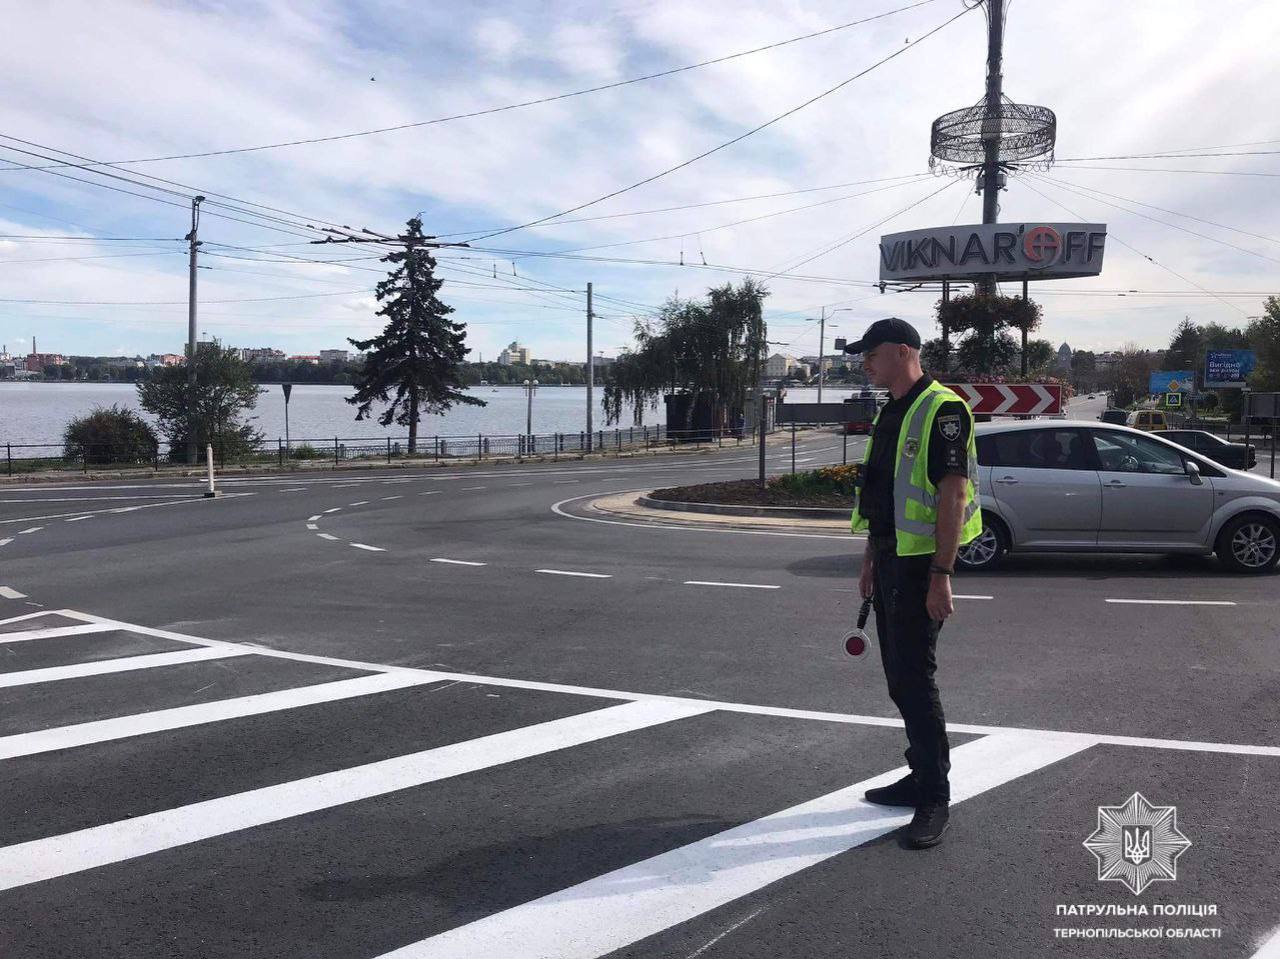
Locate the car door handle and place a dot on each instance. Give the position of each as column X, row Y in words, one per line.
column 1007, row 481
column 1115, row 484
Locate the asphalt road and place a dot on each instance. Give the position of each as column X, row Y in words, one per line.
column 446, row 713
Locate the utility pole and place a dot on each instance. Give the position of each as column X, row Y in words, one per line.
column 193, row 240
column 991, row 124
column 591, row 370
column 822, row 346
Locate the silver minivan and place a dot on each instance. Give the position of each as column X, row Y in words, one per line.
column 1085, row 486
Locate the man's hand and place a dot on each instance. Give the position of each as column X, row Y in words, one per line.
column 938, row 602
column 867, row 579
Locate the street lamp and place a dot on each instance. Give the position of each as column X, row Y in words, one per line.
column 822, row 346
column 530, row 387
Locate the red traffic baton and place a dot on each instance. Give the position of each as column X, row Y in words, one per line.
column 855, row 643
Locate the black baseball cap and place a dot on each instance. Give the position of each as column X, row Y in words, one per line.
column 890, row 330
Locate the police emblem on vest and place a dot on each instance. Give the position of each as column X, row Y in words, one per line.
column 949, row 427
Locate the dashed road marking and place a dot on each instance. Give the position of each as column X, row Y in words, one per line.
column 392, row 497
column 570, row 572
column 76, row 519
column 466, row 489
column 328, row 536
column 8, row 592
column 705, row 582
column 359, row 502
column 34, row 529
column 312, row 519
column 295, row 489
column 970, row 596
column 430, row 492
column 562, row 482
column 458, row 562
column 519, row 484
column 6, row 541
column 345, row 486
column 334, row 510
column 372, row 549
column 312, row 526
column 1172, row 602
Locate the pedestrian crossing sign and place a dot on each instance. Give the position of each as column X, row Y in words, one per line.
column 1173, row 399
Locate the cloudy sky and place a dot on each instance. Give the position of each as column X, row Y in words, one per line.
column 124, row 81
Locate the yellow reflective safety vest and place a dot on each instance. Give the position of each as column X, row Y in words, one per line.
column 915, row 498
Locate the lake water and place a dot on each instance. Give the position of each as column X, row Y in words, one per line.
column 32, row 413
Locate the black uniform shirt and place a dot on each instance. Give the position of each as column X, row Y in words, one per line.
column 948, row 454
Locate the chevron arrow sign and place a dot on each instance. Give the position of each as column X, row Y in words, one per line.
column 1011, row 399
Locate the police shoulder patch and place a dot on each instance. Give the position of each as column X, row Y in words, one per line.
column 949, row 427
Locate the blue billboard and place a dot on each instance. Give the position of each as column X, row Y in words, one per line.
column 1228, row 368
column 1171, row 381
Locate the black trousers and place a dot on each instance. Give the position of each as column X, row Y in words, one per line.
column 908, row 646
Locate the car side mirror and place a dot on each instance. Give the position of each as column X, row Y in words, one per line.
column 1193, row 473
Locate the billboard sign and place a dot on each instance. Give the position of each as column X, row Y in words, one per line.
column 1172, row 381
column 1010, row 251
column 1224, row 369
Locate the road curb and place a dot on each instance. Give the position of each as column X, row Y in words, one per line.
column 728, row 509
column 629, row 505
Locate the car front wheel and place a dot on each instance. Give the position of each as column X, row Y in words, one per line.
column 986, row 549
column 1250, row 544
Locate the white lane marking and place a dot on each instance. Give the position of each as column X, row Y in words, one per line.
column 74, row 852
column 345, row 486
column 707, row 582
column 52, row 632
column 312, row 526
column 8, row 592
column 372, row 549
column 559, row 510
column 6, row 541
column 139, row 724
column 296, row 489
column 312, row 519
column 33, row 529
column 399, row 497
column 569, row 572
column 562, row 482
column 50, row 674
column 621, row 907
column 467, row 489
column 1240, row 749
column 970, row 596
column 334, row 510
column 88, row 499
column 457, row 562
column 359, row 502
column 519, row 484
column 1172, row 602
column 174, row 502
column 328, row 536
column 430, row 492
column 76, row 519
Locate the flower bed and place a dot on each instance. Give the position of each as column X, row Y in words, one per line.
column 830, row 486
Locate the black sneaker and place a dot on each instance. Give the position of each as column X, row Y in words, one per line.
column 901, row 793
column 928, row 825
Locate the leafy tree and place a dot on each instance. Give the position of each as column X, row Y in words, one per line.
column 1037, row 357
column 712, row 349
column 225, row 393
column 931, row 356
column 111, row 434
column 1264, row 338
column 982, row 320
column 1186, row 349
column 420, row 351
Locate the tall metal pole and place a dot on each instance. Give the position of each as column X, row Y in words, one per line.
column 946, row 332
column 822, row 345
column 591, row 371
column 991, row 122
column 194, row 242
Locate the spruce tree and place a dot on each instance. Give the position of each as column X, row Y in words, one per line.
column 418, row 354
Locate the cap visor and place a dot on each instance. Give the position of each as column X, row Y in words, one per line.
column 856, row 347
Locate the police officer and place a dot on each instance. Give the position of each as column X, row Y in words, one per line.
column 918, row 504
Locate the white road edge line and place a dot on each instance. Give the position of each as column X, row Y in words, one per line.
column 1172, row 602
column 457, row 562
column 708, row 582
column 199, row 714
column 569, row 572
column 621, row 907
column 41, row 859
column 1187, row 745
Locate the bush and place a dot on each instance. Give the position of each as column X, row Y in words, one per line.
column 110, row 435
column 305, row 452
column 832, row 480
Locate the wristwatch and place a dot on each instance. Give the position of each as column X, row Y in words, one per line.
column 934, row 568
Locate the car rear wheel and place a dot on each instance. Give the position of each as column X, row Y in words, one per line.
column 986, row 550
column 1250, row 544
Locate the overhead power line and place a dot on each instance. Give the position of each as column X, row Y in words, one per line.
column 524, row 103
column 738, row 139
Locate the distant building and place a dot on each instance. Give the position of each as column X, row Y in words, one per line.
column 306, row 358
column 602, row 362
column 1062, row 362
column 164, row 359
column 122, row 362
column 779, row 365
column 334, row 356
column 514, row 353
column 38, row 361
column 257, row 354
